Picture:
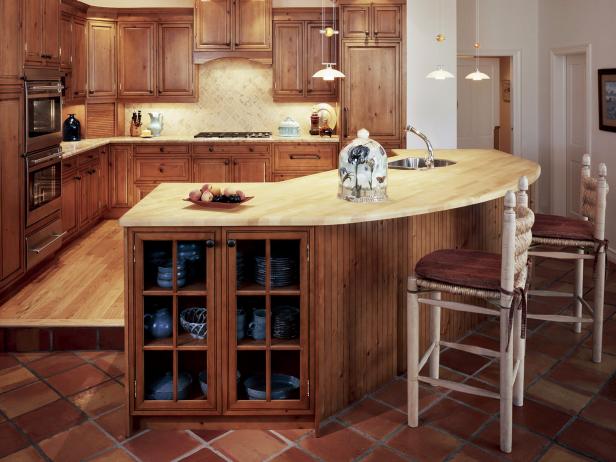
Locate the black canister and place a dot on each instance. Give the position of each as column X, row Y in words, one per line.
column 71, row 129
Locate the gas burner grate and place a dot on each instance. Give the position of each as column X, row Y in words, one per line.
column 234, row 135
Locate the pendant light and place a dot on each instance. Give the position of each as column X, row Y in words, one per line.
column 477, row 75
column 328, row 73
column 440, row 73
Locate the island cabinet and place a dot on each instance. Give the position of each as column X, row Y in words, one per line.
column 226, row 337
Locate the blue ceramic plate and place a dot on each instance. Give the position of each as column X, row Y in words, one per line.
column 282, row 386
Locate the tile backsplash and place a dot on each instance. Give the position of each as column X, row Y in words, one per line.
column 234, row 95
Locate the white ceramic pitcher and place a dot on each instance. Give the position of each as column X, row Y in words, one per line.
column 156, row 123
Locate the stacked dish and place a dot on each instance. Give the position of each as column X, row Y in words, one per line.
column 240, row 268
column 283, row 271
column 191, row 255
column 285, row 322
column 161, row 388
column 165, row 275
column 282, row 386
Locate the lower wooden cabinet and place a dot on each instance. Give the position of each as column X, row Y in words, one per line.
column 217, row 169
column 121, row 176
column 253, row 335
column 251, row 169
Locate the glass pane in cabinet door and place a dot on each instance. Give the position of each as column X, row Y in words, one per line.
column 191, row 260
column 250, row 375
column 158, row 375
column 157, row 263
column 285, row 322
column 251, row 322
column 283, row 265
column 193, row 380
column 157, row 321
column 245, row 264
column 193, row 321
column 285, row 379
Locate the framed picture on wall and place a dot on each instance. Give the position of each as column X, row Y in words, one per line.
column 506, row 91
column 607, row 100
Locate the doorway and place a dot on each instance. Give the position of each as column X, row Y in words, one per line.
column 485, row 109
column 571, row 124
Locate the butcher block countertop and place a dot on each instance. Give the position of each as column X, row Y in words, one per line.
column 478, row 176
column 77, row 147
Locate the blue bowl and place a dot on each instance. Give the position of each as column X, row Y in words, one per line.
column 282, row 386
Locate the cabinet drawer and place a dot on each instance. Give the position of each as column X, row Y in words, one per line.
column 231, row 148
column 302, row 157
column 69, row 166
column 159, row 169
column 162, row 148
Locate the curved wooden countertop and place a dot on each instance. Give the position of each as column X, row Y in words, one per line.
column 479, row 176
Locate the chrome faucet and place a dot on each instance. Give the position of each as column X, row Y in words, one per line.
column 430, row 156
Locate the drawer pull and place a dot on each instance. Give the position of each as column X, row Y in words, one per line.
column 48, row 244
column 226, row 162
column 161, row 169
column 231, row 243
column 161, row 149
column 251, row 149
column 305, row 156
column 211, row 149
column 210, row 243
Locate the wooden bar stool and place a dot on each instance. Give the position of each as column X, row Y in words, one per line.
column 500, row 279
column 578, row 240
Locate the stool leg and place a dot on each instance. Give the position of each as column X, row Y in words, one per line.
column 579, row 290
column 519, row 353
column 597, row 326
column 506, row 385
column 412, row 353
column 435, row 336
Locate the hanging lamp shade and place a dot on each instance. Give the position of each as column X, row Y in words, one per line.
column 440, row 73
column 477, row 75
column 328, row 73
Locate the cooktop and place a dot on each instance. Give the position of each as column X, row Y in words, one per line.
column 234, row 135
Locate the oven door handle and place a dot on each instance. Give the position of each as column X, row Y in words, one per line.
column 55, row 237
column 54, row 88
column 35, row 162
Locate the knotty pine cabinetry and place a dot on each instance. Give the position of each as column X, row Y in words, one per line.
column 241, row 28
column 102, row 59
column 372, row 21
column 241, row 163
column 41, row 24
column 221, row 364
column 298, row 53
column 74, row 53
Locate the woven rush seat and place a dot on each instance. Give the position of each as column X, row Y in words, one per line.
column 459, row 267
column 562, row 228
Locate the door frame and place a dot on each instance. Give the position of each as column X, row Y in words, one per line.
column 558, row 120
column 516, row 90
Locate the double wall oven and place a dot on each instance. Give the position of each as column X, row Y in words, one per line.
column 43, row 168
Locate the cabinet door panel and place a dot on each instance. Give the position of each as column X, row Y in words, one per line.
column 103, row 181
column 216, row 170
column 251, row 170
column 94, row 192
column 70, row 205
column 176, row 72
column 66, row 41
column 213, row 25
column 253, row 25
column 317, row 52
column 137, row 59
column 11, row 187
column 79, row 78
column 386, row 21
column 288, row 59
column 101, row 59
column 51, row 32
column 84, row 184
column 33, row 31
column 121, row 176
column 371, row 98
column 162, row 169
column 11, row 60
column 356, row 21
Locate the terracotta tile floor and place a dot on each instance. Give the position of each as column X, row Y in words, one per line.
column 68, row 407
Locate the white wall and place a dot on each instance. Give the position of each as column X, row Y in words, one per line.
column 431, row 104
column 569, row 23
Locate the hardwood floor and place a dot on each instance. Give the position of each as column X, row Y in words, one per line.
column 84, row 286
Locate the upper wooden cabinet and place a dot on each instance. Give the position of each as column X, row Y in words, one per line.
column 102, row 59
column 79, row 56
column 155, row 61
column 233, row 26
column 11, row 60
column 66, row 41
column 42, row 33
column 372, row 21
column 299, row 52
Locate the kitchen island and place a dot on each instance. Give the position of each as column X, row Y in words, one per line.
column 305, row 293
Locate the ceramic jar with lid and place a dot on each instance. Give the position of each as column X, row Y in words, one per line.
column 362, row 170
column 288, row 127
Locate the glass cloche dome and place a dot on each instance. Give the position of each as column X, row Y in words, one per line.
column 362, row 170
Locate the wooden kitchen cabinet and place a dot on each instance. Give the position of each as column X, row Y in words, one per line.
column 12, row 195
column 70, row 204
column 79, row 74
column 102, row 76
column 11, row 53
column 121, row 176
column 318, row 89
column 251, row 169
column 42, row 33
column 212, row 170
column 213, row 25
column 356, row 21
column 372, row 21
column 386, row 21
column 103, row 192
column 66, row 41
column 177, row 75
column 136, row 59
column 253, row 24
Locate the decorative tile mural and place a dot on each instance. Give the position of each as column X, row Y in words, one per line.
column 234, row 95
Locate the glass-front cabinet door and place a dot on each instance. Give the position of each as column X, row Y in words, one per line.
column 267, row 312
column 176, row 319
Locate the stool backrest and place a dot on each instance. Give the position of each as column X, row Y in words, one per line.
column 593, row 196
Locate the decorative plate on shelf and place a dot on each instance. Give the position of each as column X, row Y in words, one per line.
column 326, row 111
column 220, row 205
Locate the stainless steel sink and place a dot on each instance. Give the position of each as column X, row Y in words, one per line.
column 418, row 163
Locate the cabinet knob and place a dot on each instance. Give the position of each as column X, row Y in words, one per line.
column 161, row 149
column 367, row 33
column 251, row 149
column 91, row 92
column 227, row 162
column 231, row 243
column 211, row 149
column 376, row 32
column 161, row 169
column 210, row 243
column 78, row 178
